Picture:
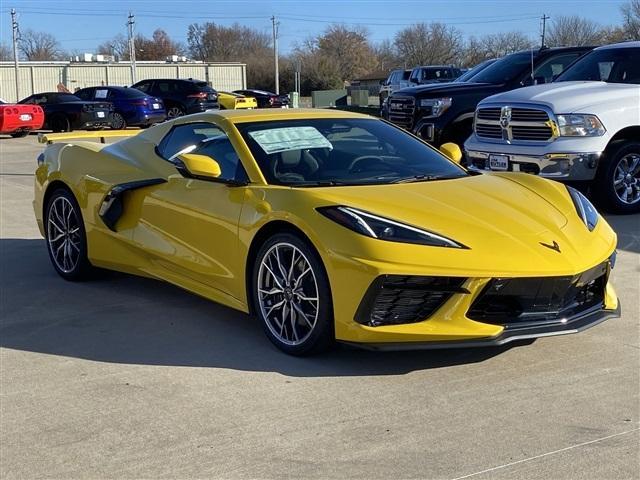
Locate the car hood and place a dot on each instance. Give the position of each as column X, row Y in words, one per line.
column 569, row 97
column 443, row 88
column 501, row 217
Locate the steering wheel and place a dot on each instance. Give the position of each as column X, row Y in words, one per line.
column 365, row 161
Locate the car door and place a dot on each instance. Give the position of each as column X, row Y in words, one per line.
column 191, row 225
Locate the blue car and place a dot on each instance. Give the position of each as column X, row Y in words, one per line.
column 131, row 107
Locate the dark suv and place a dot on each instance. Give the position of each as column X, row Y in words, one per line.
column 181, row 97
column 441, row 113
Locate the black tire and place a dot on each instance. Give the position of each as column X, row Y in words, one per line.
column 59, row 123
column 175, row 111
column 620, row 159
column 72, row 232
column 314, row 334
column 24, row 133
column 117, row 121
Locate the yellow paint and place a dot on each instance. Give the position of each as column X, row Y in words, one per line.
column 201, row 165
column 232, row 101
column 451, row 151
column 196, row 234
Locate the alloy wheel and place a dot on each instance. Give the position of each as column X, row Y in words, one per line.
column 63, row 234
column 174, row 112
column 287, row 293
column 626, row 179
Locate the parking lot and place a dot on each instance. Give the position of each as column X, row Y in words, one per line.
column 123, row 377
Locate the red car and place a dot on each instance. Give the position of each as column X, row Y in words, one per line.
column 19, row 120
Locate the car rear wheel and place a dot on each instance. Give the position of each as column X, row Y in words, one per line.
column 118, row 122
column 65, row 236
column 291, row 296
column 59, row 123
column 618, row 184
column 175, row 111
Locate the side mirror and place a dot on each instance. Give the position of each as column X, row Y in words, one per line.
column 200, row 165
column 451, row 151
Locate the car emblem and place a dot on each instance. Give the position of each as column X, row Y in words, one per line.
column 552, row 246
column 505, row 117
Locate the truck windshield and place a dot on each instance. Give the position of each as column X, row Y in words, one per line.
column 613, row 65
column 505, row 69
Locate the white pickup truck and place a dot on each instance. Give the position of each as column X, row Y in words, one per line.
column 583, row 127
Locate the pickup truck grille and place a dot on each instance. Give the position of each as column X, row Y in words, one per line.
column 513, row 123
column 401, row 110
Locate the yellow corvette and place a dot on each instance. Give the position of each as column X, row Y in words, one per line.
column 233, row 101
column 327, row 226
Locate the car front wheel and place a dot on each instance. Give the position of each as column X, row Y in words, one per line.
column 291, row 296
column 65, row 236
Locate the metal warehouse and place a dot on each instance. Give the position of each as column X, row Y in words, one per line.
column 37, row 77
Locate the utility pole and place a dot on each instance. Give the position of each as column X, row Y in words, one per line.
column 132, row 47
column 275, row 52
column 544, row 19
column 14, row 28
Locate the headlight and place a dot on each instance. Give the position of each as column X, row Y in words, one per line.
column 580, row 126
column 381, row 228
column 586, row 211
column 438, row 105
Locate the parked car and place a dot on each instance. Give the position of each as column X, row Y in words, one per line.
column 433, row 74
column 19, row 120
column 396, row 80
column 234, row 101
column 471, row 72
column 64, row 112
column 444, row 113
column 584, row 127
column 330, row 225
column 131, row 107
column 181, row 97
column 266, row 99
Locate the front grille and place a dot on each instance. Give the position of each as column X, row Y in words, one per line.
column 513, row 123
column 519, row 302
column 398, row 299
column 401, row 110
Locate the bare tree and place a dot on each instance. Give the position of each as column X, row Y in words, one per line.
column 5, row 53
column 573, row 30
column 39, row 46
column 631, row 20
column 118, row 46
column 423, row 44
column 158, row 47
column 494, row 46
column 386, row 56
column 348, row 49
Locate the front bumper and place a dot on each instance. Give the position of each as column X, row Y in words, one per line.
column 576, row 325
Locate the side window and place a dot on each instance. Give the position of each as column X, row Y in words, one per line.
column 220, row 149
column 554, row 66
column 414, row 76
column 144, row 86
column 85, row 94
column 165, row 87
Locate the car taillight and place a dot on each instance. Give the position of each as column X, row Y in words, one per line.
column 142, row 103
column 198, row 95
column 16, row 111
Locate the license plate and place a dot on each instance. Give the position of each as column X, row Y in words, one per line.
column 100, row 114
column 156, row 106
column 25, row 117
column 499, row 162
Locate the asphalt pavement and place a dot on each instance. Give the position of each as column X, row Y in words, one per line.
column 123, row 377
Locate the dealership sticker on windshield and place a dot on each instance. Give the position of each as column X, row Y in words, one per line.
column 286, row 139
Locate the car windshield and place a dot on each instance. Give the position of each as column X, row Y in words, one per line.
column 613, row 65
column 130, row 92
column 64, row 98
column 469, row 74
column 505, row 69
column 319, row 152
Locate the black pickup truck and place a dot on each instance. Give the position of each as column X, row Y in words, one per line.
column 64, row 112
column 441, row 113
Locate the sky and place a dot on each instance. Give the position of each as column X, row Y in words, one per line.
column 81, row 25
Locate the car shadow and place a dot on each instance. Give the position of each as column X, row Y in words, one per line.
column 628, row 229
column 121, row 318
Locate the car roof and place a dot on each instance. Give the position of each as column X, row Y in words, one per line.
column 275, row 114
column 635, row 44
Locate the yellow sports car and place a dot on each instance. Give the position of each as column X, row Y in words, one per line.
column 329, row 225
column 234, row 101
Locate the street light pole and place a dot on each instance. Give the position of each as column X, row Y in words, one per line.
column 132, row 47
column 275, row 53
column 14, row 28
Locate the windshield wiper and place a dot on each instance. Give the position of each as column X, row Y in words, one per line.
column 319, row 183
column 424, row 178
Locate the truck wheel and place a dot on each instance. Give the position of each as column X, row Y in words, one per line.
column 618, row 184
